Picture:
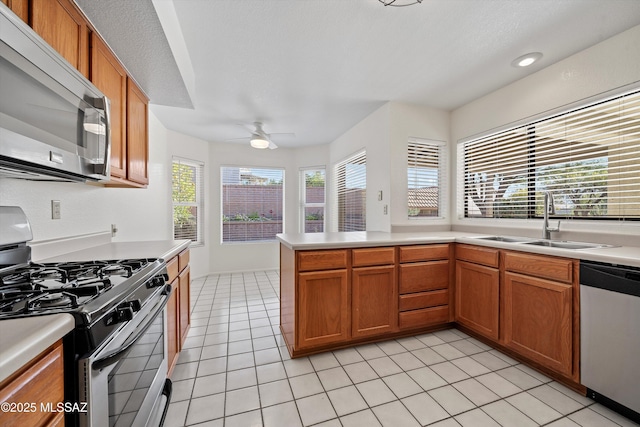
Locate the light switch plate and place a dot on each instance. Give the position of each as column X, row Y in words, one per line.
column 55, row 209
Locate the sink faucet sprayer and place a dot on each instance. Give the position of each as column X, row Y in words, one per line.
column 549, row 208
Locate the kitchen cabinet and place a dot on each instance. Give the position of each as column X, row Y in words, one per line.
column 178, row 306
column 137, row 134
column 478, row 289
column 538, row 317
column 61, row 24
column 423, row 285
column 40, row 381
column 19, row 7
column 111, row 78
column 374, row 297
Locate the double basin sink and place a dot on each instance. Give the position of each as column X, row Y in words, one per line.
column 560, row 244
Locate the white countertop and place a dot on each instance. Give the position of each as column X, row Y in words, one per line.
column 21, row 340
column 165, row 249
column 622, row 255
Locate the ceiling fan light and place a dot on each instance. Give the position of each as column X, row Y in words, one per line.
column 259, row 142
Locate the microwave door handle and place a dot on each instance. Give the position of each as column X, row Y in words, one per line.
column 104, row 105
column 118, row 353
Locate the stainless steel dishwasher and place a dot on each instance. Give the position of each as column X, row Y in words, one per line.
column 610, row 335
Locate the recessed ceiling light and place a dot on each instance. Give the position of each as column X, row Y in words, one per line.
column 526, row 60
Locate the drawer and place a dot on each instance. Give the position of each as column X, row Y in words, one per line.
column 373, row 256
column 423, row 300
column 423, row 253
column 423, row 317
column 546, row 267
column 478, row 254
column 423, row 276
column 172, row 268
column 322, row 260
column 183, row 259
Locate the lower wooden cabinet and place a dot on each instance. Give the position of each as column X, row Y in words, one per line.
column 477, row 298
column 374, row 301
column 538, row 320
column 178, row 306
column 41, row 381
column 323, row 308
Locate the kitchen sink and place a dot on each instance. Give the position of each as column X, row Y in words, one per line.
column 567, row 245
column 508, row 239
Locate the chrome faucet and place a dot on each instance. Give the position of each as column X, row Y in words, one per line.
column 549, row 208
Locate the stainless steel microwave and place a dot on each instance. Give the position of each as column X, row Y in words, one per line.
column 54, row 123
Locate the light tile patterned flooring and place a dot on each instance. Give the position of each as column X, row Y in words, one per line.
column 235, row 371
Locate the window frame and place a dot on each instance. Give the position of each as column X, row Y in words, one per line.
column 627, row 97
column 222, row 204
column 441, row 172
column 198, row 204
column 303, row 198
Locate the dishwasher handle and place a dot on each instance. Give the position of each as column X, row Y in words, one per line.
column 624, row 280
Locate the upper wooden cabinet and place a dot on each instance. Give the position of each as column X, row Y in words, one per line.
column 19, row 7
column 111, row 78
column 137, row 134
column 65, row 28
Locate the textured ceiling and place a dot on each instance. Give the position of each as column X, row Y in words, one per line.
column 317, row 67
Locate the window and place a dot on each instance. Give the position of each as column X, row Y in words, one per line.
column 588, row 158
column 187, row 190
column 252, row 204
column 351, row 192
column 312, row 200
column 426, row 189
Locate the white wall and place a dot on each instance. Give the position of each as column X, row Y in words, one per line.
column 230, row 257
column 604, row 67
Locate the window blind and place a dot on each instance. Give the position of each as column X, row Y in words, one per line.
column 426, row 183
column 252, row 203
column 588, row 158
column 187, row 181
column 351, row 192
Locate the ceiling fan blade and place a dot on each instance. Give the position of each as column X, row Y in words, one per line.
column 281, row 134
column 272, row 145
column 244, row 138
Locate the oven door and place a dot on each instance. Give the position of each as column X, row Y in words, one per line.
column 125, row 379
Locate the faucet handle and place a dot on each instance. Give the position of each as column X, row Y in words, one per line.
column 554, row 229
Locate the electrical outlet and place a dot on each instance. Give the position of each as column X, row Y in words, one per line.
column 55, row 209
column 386, row 209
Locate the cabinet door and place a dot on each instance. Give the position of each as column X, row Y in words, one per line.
column 477, row 303
column 374, row 301
column 19, row 7
column 323, row 307
column 110, row 77
column 61, row 25
column 137, row 135
column 424, row 276
column 173, row 339
column 184, row 280
column 537, row 320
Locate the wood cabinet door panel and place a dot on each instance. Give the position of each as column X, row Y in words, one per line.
column 546, row 267
column 420, row 253
column 184, row 280
column 423, row 276
column 373, row 256
column 173, row 325
column 19, row 7
column 137, row 134
column 423, row 300
column 64, row 28
column 374, row 301
column 111, row 78
column 323, row 308
column 538, row 320
column 477, row 298
column 322, row 260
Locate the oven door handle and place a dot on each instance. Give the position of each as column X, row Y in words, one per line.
column 118, row 353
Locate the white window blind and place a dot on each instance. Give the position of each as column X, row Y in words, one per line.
column 351, row 192
column 187, row 180
column 312, row 200
column 252, row 203
column 588, row 158
column 426, row 183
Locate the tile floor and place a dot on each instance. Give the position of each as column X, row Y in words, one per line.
column 235, row 371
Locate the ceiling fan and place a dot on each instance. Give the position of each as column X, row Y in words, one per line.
column 259, row 138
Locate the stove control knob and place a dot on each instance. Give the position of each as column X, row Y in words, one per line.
column 124, row 314
column 157, row 281
column 135, row 305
